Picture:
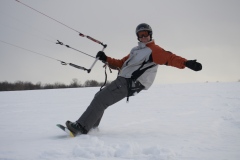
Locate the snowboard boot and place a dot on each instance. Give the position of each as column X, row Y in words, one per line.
column 75, row 128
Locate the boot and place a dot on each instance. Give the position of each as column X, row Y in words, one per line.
column 75, row 128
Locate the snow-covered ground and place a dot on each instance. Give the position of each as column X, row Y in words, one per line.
column 168, row 122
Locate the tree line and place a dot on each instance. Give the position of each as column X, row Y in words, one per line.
column 19, row 85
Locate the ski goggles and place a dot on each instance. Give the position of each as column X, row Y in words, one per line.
column 142, row 34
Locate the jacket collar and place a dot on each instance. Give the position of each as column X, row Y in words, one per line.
column 143, row 45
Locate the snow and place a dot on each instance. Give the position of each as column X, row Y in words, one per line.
column 168, row 122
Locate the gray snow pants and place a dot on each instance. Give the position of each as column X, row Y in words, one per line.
column 111, row 94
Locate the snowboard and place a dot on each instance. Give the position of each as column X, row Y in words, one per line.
column 65, row 129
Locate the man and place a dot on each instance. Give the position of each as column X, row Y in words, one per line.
column 137, row 72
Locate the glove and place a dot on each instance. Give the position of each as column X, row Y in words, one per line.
column 102, row 56
column 194, row 65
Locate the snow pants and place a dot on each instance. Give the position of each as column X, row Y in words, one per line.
column 111, row 94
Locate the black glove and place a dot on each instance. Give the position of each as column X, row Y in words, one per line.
column 194, row 65
column 102, row 56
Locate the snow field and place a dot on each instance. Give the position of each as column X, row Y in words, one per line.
column 167, row 122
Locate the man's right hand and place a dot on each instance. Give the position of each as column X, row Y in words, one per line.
column 102, row 56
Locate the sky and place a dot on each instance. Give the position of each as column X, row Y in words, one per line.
column 194, row 29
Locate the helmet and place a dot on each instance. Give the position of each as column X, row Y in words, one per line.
column 144, row 27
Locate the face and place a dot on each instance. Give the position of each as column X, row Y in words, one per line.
column 143, row 36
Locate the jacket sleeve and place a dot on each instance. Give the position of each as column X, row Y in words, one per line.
column 162, row 57
column 117, row 63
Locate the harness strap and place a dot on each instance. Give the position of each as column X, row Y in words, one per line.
column 105, row 66
column 129, row 83
column 135, row 75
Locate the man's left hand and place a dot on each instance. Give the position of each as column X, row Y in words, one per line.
column 194, row 65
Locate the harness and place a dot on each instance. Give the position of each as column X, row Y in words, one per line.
column 134, row 86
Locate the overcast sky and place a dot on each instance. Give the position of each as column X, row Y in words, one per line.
column 206, row 30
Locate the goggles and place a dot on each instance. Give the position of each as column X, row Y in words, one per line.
column 142, row 34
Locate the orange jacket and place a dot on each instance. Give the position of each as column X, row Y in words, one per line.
column 159, row 56
column 140, row 64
